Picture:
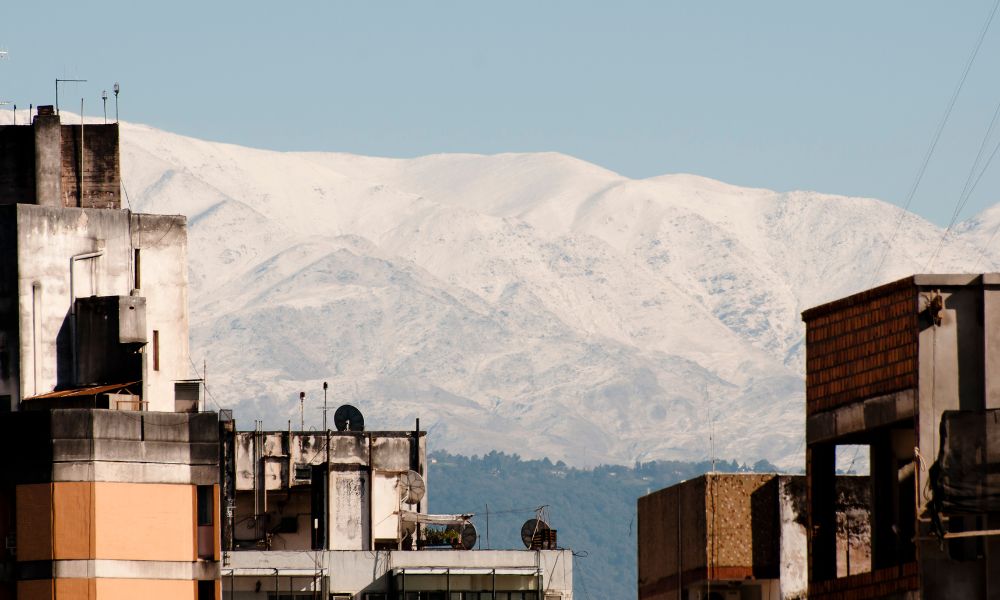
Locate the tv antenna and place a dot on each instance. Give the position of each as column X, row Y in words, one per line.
column 58, row 81
column 3, row 55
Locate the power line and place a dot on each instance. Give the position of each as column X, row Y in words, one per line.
column 934, row 141
column 971, row 181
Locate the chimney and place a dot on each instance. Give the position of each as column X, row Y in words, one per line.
column 48, row 157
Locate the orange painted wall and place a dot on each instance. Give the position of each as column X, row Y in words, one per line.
column 146, row 589
column 129, row 521
column 73, row 510
column 145, row 521
column 106, row 589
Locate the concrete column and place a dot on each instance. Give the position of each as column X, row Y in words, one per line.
column 48, row 158
column 822, row 476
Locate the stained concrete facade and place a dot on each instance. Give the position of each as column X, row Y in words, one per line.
column 882, row 367
column 740, row 536
column 68, row 254
column 274, row 494
column 288, row 489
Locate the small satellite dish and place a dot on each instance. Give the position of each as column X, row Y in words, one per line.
column 467, row 536
column 530, row 528
column 348, row 418
column 411, row 487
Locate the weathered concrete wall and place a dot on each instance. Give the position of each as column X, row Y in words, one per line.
column 952, row 377
column 350, row 510
column 672, row 533
column 10, row 333
column 46, row 241
column 363, row 491
column 48, row 159
column 162, row 244
column 794, row 546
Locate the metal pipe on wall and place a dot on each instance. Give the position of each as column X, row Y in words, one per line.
column 36, row 333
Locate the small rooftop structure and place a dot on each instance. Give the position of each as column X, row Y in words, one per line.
column 739, row 536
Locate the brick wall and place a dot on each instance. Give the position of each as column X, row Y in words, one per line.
column 101, row 170
column 861, row 346
column 875, row 584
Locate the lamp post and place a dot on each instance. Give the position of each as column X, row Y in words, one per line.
column 104, row 99
column 116, row 89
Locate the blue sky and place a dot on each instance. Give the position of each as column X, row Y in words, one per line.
column 838, row 97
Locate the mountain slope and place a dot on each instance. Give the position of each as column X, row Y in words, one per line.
column 520, row 302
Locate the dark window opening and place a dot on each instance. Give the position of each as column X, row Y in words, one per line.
column 135, row 269
column 156, row 350
column 303, row 471
column 206, row 590
column 206, row 505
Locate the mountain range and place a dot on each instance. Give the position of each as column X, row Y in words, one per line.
column 530, row 303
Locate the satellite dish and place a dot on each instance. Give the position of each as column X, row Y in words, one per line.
column 468, row 536
column 530, row 528
column 411, row 487
column 348, row 418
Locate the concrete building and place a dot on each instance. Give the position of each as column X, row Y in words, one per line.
column 73, row 261
column 344, row 515
column 909, row 370
column 112, row 487
column 740, row 536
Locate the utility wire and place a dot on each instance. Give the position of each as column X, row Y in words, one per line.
column 971, row 181
column 934, row 142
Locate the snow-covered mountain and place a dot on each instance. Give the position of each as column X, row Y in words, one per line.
column 532, row 303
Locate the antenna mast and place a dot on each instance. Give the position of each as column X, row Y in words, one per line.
column 3, row 55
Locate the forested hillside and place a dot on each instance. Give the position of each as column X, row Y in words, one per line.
column 593, row 510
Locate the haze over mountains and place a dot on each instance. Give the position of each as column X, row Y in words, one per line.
column 530, row 303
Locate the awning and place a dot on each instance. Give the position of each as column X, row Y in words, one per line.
column 414, row 517
column 532, row 571
column 86, row 391
column 265, row 572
